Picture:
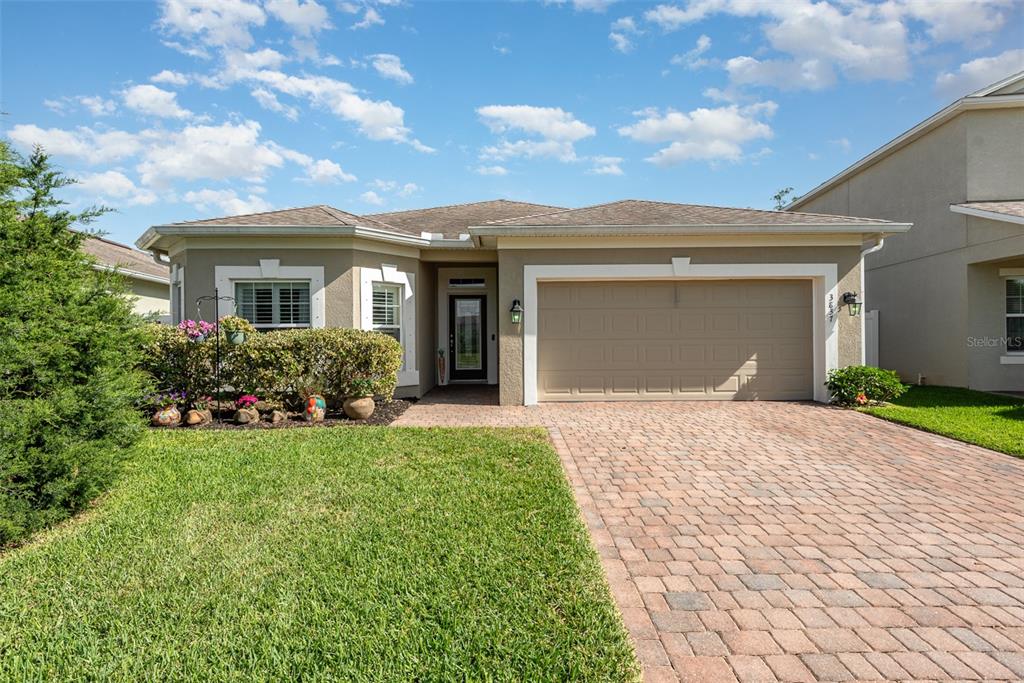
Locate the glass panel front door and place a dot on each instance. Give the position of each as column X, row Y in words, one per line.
column 467, row 337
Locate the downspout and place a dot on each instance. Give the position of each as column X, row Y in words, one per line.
column 877, row 246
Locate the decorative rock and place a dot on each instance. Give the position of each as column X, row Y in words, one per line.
column 316, row 407
column 167, row 417
column 278, row 416
column 244, row 416
column 359, row 408
column 198, row 417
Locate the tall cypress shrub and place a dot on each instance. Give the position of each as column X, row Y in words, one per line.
column 68, row 350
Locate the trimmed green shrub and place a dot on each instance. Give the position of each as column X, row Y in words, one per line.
column 861, row 384
column 280, row 366
column 68, row 345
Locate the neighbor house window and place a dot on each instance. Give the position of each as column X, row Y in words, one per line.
column 1015, row 315
column 272, row 305
column 387, row 309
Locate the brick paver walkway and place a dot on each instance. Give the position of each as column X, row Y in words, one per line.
column 794, row 542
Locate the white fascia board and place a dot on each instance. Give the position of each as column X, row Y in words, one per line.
column 990, row 215
column 134, row 274
column 695, row 229
column 153, row 234
column 933, row 121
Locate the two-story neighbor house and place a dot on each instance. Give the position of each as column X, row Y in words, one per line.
column 950, row 293
column 631, row 300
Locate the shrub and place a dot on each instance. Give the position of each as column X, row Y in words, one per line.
column 68, row 345
column 177, row 363
column 861, row 384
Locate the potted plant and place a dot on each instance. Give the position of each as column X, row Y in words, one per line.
column 235, row 329
column 358, row 403
column 246, row 413
column 197, row 330
column 165, row 408
column 200, row 413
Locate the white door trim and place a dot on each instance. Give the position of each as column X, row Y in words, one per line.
column 824, row 277
column 271, row 269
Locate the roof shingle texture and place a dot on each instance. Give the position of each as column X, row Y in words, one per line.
column 451, row 221
column 320, row 216
column 1013, row 207
column 121, row 256
column 648, row 213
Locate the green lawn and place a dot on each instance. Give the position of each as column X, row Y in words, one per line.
column 349, row 554
column 988, row 420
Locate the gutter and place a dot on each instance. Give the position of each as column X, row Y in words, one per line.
column 134, row 274
column 424, row 240
column 883, row 228
column 989, row 215
column 876, row 247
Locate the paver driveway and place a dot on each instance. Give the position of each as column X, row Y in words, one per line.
column 764, row 541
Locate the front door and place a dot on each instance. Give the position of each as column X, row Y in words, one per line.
column 467, row 343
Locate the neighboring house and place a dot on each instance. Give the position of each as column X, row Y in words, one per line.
column 630, row 300
column 148, row 282
column 949, row 294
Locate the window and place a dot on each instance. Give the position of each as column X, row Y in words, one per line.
column 387, row 309
column 270, row 305
column 1015, row 315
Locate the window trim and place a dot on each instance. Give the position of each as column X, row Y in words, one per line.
column 271, row 269
column 389, row 274
column 400, row 289
column 1007, row 315
column 273, row 326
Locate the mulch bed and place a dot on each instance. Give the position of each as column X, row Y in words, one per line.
column 383, row 414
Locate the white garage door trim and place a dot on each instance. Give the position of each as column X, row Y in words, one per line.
column 823, row 275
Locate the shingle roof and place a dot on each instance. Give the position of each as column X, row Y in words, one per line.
column 1013, row 207
column 451, row 221
column 647, row 213
column 320, row 215
column 113, row 254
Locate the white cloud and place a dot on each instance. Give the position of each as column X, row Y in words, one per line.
column 692, row 59
column 304, row 18
column 550, row 123
column 604, row 165
column 978, row 73
column 188, row 50
column 394, row 187
column 227, row 202
column 703, row 134
column 56, row 106
column 152, row 101
column 115, row 187
column 390, row 66
column 94, row 147
column 213, row 22
column 785, row 74
column 959, row 21
column 584, row 5
column 371, row 197
column 841, row 143
column 269, row 101
column 620, row 42
column 491, row 170
column 621, row 30
column 94, row 104
column 409, row 189
column 326, row 171
column 169, row 77
column 371, row 17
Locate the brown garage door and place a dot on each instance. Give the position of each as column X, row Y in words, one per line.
column 710, row 339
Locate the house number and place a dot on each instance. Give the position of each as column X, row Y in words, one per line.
column 831, row 307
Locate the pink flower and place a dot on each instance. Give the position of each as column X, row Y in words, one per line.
column 247, row 400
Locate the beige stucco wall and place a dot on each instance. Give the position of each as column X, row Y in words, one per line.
column 930, row 298
column 510, row 286
column 150, row 297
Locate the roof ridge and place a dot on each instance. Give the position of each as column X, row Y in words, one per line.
column 772, row 211
column 456, row 205
column 552, row 213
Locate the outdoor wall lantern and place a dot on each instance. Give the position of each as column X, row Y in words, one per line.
column 516, row 311
column 850, row 300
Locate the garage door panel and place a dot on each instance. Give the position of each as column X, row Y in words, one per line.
column 661, row 340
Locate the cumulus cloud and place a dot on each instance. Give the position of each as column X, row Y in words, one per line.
column 557, row 130
column 604, row 165
column 693, row 59
column 213, row 22
column 491, row 170
column 226, row 202
column 304, row 18
column 784, row 74
column 326, row 171
column 977, row 73
column 114, row 187
column 87, row 144
column 371, row 17
column 706, row 134
column 622, row 30
column 390, row 66
column 168, row 77
column 269, row 101
column 371, row 197
column 153, row 101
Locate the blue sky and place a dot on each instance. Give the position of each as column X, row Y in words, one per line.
column 194, row 108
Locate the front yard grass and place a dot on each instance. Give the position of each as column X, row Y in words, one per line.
column 990, row 420
column 370, row 554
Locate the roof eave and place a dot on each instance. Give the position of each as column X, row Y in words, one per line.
column 134, row 274
column 696, row 229
column 152, row 236
column 989, row 215
column 935, row 120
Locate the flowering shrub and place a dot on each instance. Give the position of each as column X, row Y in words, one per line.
column 202, row 402
column 176, row 363
column 197, row 330
column 247, row 400
column 861, row 384
column 233, row 323
column 161, row 400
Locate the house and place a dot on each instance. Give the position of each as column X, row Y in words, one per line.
column 630, row 300
column 149, row 282
column 950, row 293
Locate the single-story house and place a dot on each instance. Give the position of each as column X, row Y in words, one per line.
column 148, row 281
column 949, row 295
column 630, row 300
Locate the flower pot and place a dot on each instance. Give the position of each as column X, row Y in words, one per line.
column 236, row 337
column 197, row 417
column 316, row 406
column 359, row 408
column 244, row 416
column 166, row 417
